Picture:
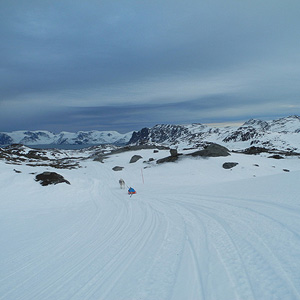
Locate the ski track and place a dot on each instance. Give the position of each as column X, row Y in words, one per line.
column 166, row 247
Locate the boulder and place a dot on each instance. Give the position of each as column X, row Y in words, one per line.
column 117, row 168
column 276, row 156
column 212, row 150
column 173, row 152
column 167, row 159
column 135, row 158
column 229, row 165
column 47, row 178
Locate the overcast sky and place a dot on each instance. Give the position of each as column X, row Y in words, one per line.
column 124, row 64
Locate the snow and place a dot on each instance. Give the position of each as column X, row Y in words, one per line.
column 193, row 230
column 87, row 137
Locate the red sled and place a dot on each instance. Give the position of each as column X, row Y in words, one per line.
column 131, row 191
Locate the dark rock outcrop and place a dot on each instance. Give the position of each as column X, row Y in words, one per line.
column 5, row 139
column 276, row 156
column 255, row 150
column 140, row 136
column 173, row 152
column 167, row 159
column 135, row 158
column 47, row 178
column 229, row 165
column 117, row 168
column 211, row 150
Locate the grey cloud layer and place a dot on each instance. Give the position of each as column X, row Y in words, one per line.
column 60, row 55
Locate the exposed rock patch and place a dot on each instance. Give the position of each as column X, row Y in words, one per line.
column 135, row 158
column 167, row 159
column 229, row 165
column 211, row 150
column 117, row 168
column 47, row 178
column 255, row 150
column 172, row 158
column 276, row 156
column 173, row 152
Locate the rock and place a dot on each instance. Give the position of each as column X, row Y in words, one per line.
column 212, row 150
column 229, row 165
column 155, row 151
column 276, row 156
column 255, row 150
column 47, row 178
column 173, row 152
column 135, row 158
column 167, row 159
column 151, row 159
column 117, row 168
column 100, row 158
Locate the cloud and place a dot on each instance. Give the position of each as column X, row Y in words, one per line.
column 189, row 58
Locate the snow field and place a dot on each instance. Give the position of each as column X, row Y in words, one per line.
column 193, row 230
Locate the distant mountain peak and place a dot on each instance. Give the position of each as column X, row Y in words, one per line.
column 81, row 137
column 281, row 134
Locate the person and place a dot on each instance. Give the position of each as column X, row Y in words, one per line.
column 131, row 191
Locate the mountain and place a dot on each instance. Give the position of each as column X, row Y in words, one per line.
column 282, row 134
column 81, row 137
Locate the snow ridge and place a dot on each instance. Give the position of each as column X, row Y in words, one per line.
column 282, row 134
column 79, row 138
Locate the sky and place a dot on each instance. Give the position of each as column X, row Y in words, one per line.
column 123, row 64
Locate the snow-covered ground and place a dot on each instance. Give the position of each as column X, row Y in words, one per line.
column 193, row 231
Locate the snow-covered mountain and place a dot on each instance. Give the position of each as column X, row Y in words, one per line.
column 282, row 134
column 81, row 137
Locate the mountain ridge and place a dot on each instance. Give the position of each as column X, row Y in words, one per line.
column 282, row 133
column 37, row 137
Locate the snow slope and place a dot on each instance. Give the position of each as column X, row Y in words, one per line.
column 193, row 230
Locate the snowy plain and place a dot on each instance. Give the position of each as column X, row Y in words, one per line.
column 193, row 231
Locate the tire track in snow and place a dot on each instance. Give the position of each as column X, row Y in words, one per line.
column 158, row 279
column 220, row 244
column 54, row 246
column 256, row 243
column 114, row 262
column 110, row 233
column 68, row 241
column 197, row 257
column 115, row 270
column 255, row 252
